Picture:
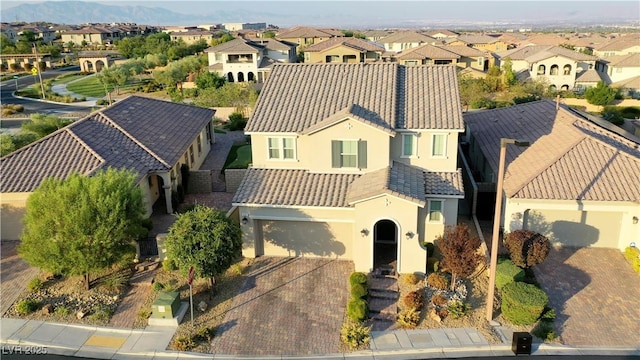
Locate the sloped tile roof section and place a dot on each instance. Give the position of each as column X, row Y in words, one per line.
column 477, row 39
column 400, row 180
column 462, row 50
column 303, row 31
column 631, row 83
column 427, row 51
column 358, row 44
column 570, row 158
column 590, row 75
column 414, row 97
column 166, row 129
column 236, row 45
column 443, row 183
column 629, row 60
column 408, row 37
column 354, row 112
column 293, row 187
column 431, row 98
column 621, row 43
column 99, row 141
column 536, row 53
column 57, row 155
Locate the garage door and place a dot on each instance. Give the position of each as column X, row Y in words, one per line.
column 576, row 228
column 306, row 238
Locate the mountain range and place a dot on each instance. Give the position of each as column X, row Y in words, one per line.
column 341, row 14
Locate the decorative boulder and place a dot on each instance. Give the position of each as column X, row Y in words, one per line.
column 434, row 315
column 80, row 314
column 202, row 306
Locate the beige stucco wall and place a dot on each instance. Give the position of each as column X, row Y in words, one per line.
column 424, row 148
column 340, row 51
column 314, row 151
column 601, row 220
column 13, row 206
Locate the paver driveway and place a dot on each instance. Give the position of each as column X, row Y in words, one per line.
column 596, row 296
column 287, row 306
column 15, row 273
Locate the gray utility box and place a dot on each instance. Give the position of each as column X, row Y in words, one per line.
column 166, row 305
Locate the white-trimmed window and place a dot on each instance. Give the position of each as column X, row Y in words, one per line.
column 439, row 145
column 409, row 145
column 282, row 148
column 349, row 154
column 435, row 211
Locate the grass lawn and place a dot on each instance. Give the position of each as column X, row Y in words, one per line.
column 239, row 157
column 89, row 86
column 67, row 79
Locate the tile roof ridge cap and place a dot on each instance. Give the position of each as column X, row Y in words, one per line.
column 136, row 141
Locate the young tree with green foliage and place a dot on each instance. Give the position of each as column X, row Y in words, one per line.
column 236, row 95
column 508, row 75
column 82, row 225
column 601, row 94
column 459, row 252
column 208, row 79
column 43, row 125
column 206, row 239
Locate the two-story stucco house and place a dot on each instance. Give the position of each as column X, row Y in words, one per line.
column 343, row 49
column 356, row 161
column 249, row 60
column 154, row 138
column 461, row 56
column 623, row 45
column 403, row 40
column 558, row 66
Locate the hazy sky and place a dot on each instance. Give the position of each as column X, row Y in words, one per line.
column 341, row 13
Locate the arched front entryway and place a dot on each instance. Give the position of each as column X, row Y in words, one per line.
column 385, row 246
column 230, row 77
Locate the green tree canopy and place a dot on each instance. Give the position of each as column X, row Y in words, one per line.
column 601, row 94
column 43, row 125
column 208, row 79
column 82, row 225
column 229, row 95
column 205, row 239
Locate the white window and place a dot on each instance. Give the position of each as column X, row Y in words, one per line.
column 282, row 148
column 349, row 153
column 435, row 211
column 409, row 145
column 439, row 145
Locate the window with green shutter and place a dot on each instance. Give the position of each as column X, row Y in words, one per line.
column 349, row 154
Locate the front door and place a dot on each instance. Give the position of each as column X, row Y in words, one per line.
column 385, row 245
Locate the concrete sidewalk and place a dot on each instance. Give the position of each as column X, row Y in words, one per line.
column 109, row 343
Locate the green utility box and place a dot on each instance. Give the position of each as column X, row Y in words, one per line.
column 166, row 305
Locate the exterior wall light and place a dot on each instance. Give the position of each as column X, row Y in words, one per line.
column 244, row 220
column 410, row 235
column 364, row 232
column 635, row 220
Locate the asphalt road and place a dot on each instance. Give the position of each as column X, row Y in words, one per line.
column 8, row 87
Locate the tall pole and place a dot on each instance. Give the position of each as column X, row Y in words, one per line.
column 35, row 47
column 495, row 236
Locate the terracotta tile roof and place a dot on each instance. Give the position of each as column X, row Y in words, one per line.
column 273, row 44
column 477, row 39
column 408, row 37
column 135, row 133
column 355, row 112
column 570, row 158
column 536, row 53
column 445, row 32
column 590, row 75
column 352, row 42
column 546, row 39
column 293, row 187
column 444, row 183
column 192, row 32
column 376, row 33
column 236, row 45
column 621, row 43
column 632, row 83
column 462, row 50
column 427, row 51
column 629, row 60
column 305, row 32
column 414, row 97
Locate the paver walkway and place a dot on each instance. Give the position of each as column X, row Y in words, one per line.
column 218, row 155
column 15, row 273
column 596, row 296
column 138, row 291
column 287, row 306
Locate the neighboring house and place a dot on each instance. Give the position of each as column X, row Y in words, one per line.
column 343, row 49
column 623, row 45
column 404, row 40
column 427, row 55
column 617, row 68
column 9, row 32
column 480, row 42
column 585, row 80
column 241, row 60
column 356, row 161
column 576, row 184
column 244, row 26
column 558, row 66
column 47, row 35
column 91, row 35
column 152, row 137
column 629, row 87
column 192, row 36
column 441, row 34
column 375, row 35
column 470, row 57
column 306, row 36
column 544, row 39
